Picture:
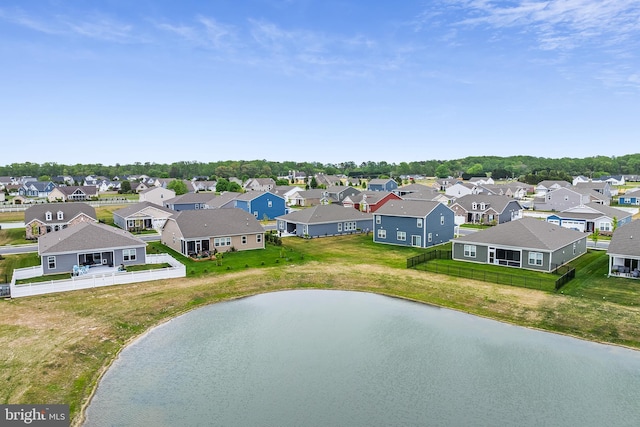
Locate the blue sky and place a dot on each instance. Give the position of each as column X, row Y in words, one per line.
column 119, row 81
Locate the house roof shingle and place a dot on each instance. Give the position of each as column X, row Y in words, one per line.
column 410, row 208
column 530, row 233
column 626, row 240
column 69, row 211
column 325, row 214
column 216, row 222
column 86, row 236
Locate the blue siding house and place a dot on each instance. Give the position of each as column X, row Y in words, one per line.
column 382, row 185
column 325, row 220
column 630, row 199
column 419, row 223
column 36, row 189
column 261, row 204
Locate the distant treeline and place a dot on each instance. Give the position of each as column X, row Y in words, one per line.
column 527, row 168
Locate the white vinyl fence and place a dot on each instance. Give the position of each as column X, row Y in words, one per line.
column 94, row 281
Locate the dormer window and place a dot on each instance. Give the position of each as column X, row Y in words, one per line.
column 474, row 206
column 48, row 216
column 483, row 206
column 60, row 215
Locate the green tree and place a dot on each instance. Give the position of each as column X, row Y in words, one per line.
column 595, row 236
column 44, row 178
column 443, row 171
column 125, row 187
column 234, row 186
column 313, row 183
column 222, row 185
column 178, row 186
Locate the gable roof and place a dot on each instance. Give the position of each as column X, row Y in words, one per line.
column 223, row 199
column 132, row 209
column 530, row 233
column 410, row 208
column 626, row 240
column 324, row 214
column 599, row 208
column 216, row 222
column 251, row 195
column 492, row 201
column 85, row 237
column 68, row 190
column 380, row 181
column 189, row 198
column 69, row 211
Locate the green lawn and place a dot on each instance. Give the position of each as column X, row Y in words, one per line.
column 14, row 236
column 8, row 263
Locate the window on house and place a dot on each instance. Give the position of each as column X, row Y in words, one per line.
column 430, row 237
column 339, row 227
column 269, row 204
column 222, row 241
column 382, row 234
column 259, row 238
column 244, row 240
column 575, row 247
column 470, row 251
column 605, row 226
column 51, row 262
column 441, row 219
column 378, row 219
column 474, row 206
column 401, row 236
column 60, row 215
column 416, row 240
column 129, row 254
column 535, row 258
column 350, row 226
column 48, row 216
column 419, row 222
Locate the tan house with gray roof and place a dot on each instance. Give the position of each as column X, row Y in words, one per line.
column 44, row 218
column 193, row 232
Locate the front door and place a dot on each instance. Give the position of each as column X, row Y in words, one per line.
column 492, row 255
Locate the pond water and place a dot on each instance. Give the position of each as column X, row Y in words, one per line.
column 334, row 358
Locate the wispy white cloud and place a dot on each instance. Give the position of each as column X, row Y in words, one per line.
column 94, row 26
column 556, row 24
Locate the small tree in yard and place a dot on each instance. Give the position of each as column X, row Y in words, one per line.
column 594, row 236
column 178, row 186
column 125, row 187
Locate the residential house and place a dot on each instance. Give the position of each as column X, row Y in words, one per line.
column 261, row 204
column 602, row 187
column 205, row 185
column 89, row 244
column 590, row 217
column 612, row 179
column 382, row 184
column 413, row 188
column 442, row 184
column 139, row 187
column 624, row 251
column 485, row 209
column 36, row 189
column 560, row 198
column 142, row 216
column 595, row 196
column 208, row 231
column 527, row 243
column 337, row 193
column 548, row 185
column 580, row 179
column 481, row 180
column 327, row 180
column 72, row 193
column 41, row 219
column 514, row 190
column 369, row 201
column 224, row 200
column 630, row 198
column 156, row 195
column 286, row 191
column 460, row 189
column 413, row 223
column 306, row 198
column 259, row 184
column 324, row 220
column 190, row 201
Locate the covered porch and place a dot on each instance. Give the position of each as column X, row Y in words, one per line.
column 193, row 248
column 94, row 259
column 624, row 267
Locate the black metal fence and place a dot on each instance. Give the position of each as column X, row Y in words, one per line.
column 565, row 278
column 423, row 258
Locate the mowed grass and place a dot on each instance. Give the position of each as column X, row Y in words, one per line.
column 53, row 348
column 13, row 236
